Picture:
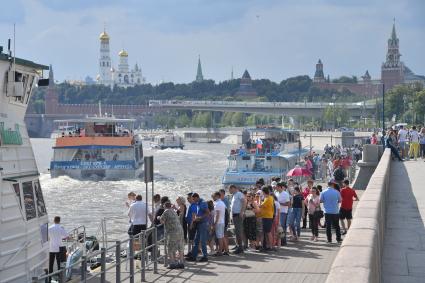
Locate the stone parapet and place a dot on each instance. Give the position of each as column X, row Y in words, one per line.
column 360, row 256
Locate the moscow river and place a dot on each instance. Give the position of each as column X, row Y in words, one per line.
column 197, row 168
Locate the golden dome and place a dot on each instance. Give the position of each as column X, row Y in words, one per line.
column 104, row 36
column 123, row 53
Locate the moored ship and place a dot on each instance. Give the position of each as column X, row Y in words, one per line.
column 265, row 153
column 24, row 244
column 99, row 147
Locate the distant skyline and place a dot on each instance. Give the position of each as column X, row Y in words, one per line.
column 272, row 39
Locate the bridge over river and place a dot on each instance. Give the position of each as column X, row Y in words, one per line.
column 292, row 109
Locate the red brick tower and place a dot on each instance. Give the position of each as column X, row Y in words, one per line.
column 392, row 70
column 51, row 100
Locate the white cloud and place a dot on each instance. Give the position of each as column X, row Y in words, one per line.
column 271, row 39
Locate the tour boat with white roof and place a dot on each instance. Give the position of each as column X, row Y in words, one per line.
column 266, row 153
column 24, row 247
column 100, row 147
column 167, row 140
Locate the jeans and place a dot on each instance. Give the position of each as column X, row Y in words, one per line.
column 284, row 223
column 305, row 220
column 314, row 223
column 394, row 151
column 201, row 236
column 422, row 151
column 238, row 222
column 332, row 220
column 295, row 220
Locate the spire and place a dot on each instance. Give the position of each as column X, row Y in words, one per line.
column 51, row 77
column 199, row 76
column 231, row 75
column 393, row 33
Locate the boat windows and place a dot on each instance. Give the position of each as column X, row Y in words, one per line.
column 19, row 86
column 41, row 206
column 29, row 201
column 18, row 193
column 44, row 232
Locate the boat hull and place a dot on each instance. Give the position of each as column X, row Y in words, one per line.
column 247, row 179
column 99, row 170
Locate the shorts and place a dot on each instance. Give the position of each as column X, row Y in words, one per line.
column 134, row 230
column 345, row 214
column 219, row 230
column 267, row 225
column 403, row 145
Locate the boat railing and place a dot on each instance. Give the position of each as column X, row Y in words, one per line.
column 124, row 266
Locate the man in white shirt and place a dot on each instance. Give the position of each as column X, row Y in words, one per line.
column 414, row 143
column 220, row 211
column 138, row 217
column 402, row 138
column 284, row 201
column 56, row 248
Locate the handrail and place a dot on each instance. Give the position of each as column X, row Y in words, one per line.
column 365, row 236
column 16, row 253
column 116, row 248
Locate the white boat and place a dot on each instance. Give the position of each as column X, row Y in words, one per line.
column 265, row 153
column 24, row 248
column 167, row 140
column 99, row 147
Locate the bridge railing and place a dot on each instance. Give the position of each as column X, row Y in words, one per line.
column 171, row 103
column 360, row 256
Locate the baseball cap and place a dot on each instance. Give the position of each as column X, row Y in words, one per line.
column 274, row 184
column 332, row 181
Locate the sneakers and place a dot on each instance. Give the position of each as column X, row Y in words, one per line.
column 238, row 251
column 203, row 259
column 226, row 253
column 191, row 259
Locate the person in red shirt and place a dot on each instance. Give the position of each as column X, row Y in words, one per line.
column 348, row 195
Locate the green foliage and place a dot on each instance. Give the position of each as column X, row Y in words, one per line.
column 345, row 79
column 337, row 116
column 406, row 102
column 297, row 88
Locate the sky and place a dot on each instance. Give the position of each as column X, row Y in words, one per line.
column 272, row 39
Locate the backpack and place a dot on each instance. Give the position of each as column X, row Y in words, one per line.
column 339, row 174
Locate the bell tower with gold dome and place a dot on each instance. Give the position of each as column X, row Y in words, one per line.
column 105, row 76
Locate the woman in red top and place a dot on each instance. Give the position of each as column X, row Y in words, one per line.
column 373, row 139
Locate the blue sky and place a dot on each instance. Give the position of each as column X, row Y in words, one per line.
column 272, row 39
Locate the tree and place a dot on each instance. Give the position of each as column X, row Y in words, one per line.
column 238, row 119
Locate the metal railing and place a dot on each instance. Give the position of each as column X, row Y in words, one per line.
column 349, row 105
column 135, row 247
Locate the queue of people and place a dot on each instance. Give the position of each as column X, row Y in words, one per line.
column 264, row 218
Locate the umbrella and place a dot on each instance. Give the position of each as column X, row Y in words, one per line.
column 298, row 171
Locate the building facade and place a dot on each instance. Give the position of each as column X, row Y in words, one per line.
column 123, row 76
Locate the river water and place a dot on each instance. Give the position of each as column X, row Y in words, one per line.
column 197, row 168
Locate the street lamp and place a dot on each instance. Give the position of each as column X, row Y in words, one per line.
column 334, row 113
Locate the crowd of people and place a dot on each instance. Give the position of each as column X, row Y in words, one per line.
column 264, row 218
column 335, row 162
column 405, row 143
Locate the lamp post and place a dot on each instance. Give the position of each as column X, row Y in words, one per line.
column 334, row 113
column 383, row 109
